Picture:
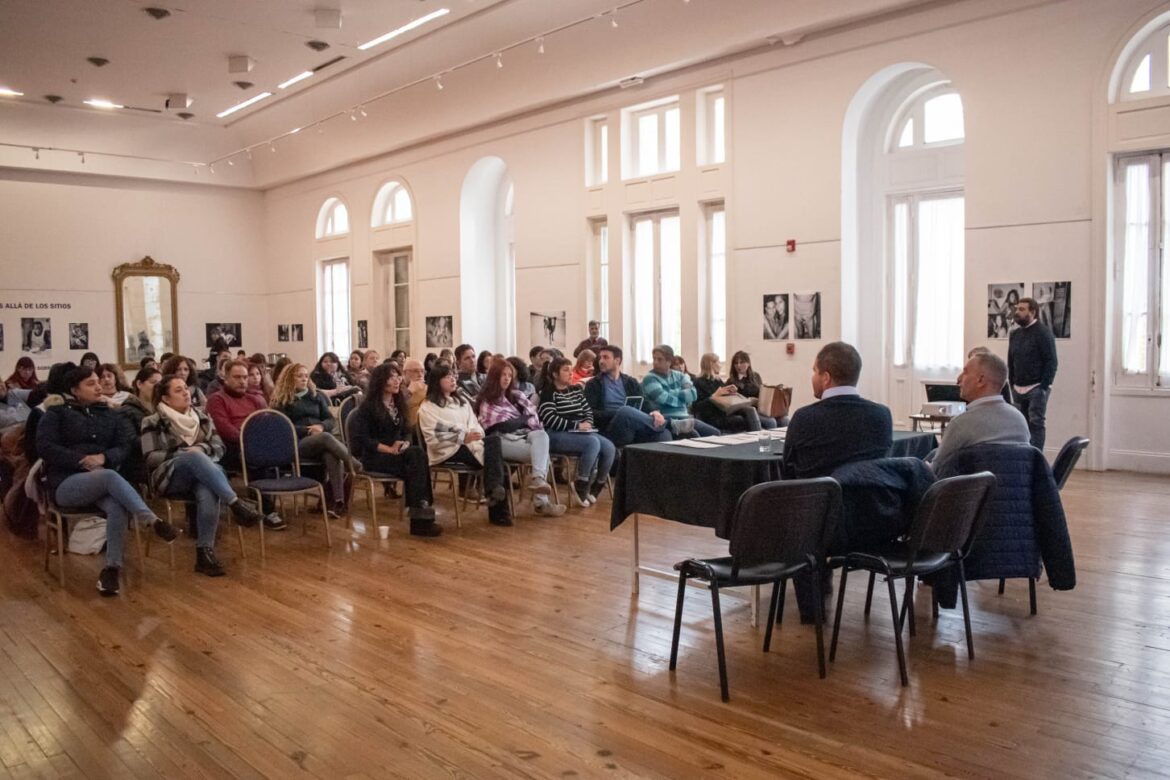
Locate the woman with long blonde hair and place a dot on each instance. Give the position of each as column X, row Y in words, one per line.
column 296, row 398
column 710, row 386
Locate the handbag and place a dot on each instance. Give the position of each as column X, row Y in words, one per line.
column 775, row 400
column 731, row 403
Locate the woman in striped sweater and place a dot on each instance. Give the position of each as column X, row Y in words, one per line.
column 569, row 421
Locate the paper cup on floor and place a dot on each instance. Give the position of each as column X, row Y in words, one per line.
column 383, row 532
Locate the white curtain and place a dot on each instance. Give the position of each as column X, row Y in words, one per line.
column 643, row 290
column 1135, row 295
column 670, row 295
column 938, row 332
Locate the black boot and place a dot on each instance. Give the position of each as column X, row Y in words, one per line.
column 207, row 563
column 245, row 513
column 500, row 514
column 422, row 521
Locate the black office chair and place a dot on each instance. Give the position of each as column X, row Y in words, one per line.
column 945, row 526
column 1067, row 459
column 779, row 530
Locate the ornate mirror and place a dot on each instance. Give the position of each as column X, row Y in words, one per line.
column 147, row 310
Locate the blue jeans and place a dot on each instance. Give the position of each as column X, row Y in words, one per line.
column 702, row 428
column 631, row 426
column 1034, row 406
column 197, row 476
column 594, row 452
column 107, row 490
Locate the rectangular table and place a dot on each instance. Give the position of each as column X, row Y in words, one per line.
column 702, row 486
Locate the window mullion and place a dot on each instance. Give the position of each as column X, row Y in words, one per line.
column 912, row 203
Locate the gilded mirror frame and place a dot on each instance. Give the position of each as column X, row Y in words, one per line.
column 149, row 268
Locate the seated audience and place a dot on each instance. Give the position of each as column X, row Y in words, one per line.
column 90, row 360
column 331, row 381
column 709, row 385
column 182, row 450
column 148, row 362
column 82, row 443
column 679, row 363
column 380, row 438
column 370, row 361
column 505, row 412
column 164, row 357
column 414, row 388
column 278, row 368
column 446, row 353
column 216, row 383
column 453, row 435
column 523, row 378
column 988, row 419
column 429, row 363
column 608, row 393
column 297, row 399
column 137, row 407
column 673, row 393
column 398, row 356
column 258, row 382
column 55, row 391
column 467, row 377
column 535, row 364
column 184, row 368
column 748, row 383
column 114, row 389
column 566, row 416
column 14, row 408
column 356, row 361
column 482, row 364
column 583, row 368
column 24, row 376
column 594, row 342
column 842, row 427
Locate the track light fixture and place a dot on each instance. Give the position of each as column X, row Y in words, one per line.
column 499, row 60
column 540, row 45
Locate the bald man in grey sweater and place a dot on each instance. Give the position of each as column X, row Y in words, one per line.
column 988, row 419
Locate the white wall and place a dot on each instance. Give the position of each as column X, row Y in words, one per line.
column 61, row 235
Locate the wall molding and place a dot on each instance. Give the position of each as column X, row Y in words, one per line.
column 1139, row 460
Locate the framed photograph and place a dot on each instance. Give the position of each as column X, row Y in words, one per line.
column 1001, row 304
column 297, row 331
column 1054, row 306
column 549, row 328
column 1, row 336
column 806, row 315
column 231, row 332
column 441, row 331
column 282, row 333
column 363, row 334
column 776, row 325
column 79, row 335
column 36, row 335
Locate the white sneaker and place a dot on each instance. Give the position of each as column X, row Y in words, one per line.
column 540, row 486
column 549, row 509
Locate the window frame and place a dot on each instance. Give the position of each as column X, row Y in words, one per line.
column 326, row 216
column 913, row 108
column 597, row 151
column 1156, row 46
column 656, row 219
column 599, row 308
column 710, row 271
column 708, row 121
column 385, row 204
column 631, row 127
column 328, row 340
column 394, row 285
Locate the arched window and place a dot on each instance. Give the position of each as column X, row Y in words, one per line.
column 392, row 205
column 1146, row 72
column 333, row 219
column 932, row 116
column 487, row 257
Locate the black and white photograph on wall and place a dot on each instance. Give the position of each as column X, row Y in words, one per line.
column 36, row 335
column 79, row 335
column 1054, row 306
column 282, row 332
column 440, row 331
column 1, row 336
column 363, row 339
column 1001, row 304
column 549, row 328
column 806, row 315
column 297, row 331
column 776, row 325
column 231, row 332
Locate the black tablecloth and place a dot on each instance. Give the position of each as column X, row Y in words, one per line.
column 702, row 486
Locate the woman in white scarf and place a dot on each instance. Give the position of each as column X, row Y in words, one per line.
column 181, row 449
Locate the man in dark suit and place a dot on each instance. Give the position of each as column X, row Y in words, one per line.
column 842, row 427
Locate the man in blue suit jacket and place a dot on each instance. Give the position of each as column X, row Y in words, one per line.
column 842, row 427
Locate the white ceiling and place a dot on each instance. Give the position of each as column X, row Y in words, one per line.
column 44, row 45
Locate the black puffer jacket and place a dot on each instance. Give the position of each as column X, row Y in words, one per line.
column 69, row 432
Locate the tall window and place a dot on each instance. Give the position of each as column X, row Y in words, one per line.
column 927, row 274
column 711, row 126
column 402, row 303
column 334, row 306
column 508, row 326
column 652, row 130
column 1142, row 189
column 1147, row 72
column 717, row 280
column 597, row 144
column 333, row 219
column 657, row 281
column 600, row 309
column 392, row 204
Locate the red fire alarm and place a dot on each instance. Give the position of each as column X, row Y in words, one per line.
column 790, row 348
column 791, row 245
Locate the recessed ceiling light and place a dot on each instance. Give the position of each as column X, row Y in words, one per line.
column 157, row 13
column 54, row 98
column 102, row 103
column 6, row 92
column 97, row 62
column 245, row 104
column 244, row 84
column 419, row 22
column 295, row 79
column 316, row 45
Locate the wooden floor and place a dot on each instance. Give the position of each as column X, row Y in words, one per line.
column 494, row 652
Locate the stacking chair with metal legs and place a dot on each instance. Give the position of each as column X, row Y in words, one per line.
column 779, row 530
column 368, row 479
column 945, row 526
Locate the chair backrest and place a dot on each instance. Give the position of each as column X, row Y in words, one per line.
column 951, row 513
column 784, row 521
column 268, row 440
column 1069, row 454
column 347, row 408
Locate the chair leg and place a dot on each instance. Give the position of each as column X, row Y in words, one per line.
column 775, row 602
column 678, row 609
column 934, row 604
column 908, row 605
column 719, row 642
column 62, row 532
column 966, row 611
column 324, row 516
column 837, row 618
column 780, row 606
column 897, row 631
column 138, row 544
column 869, row 592
column 260, row 525
column 1032, row 594
column 1002, row 581
column 818, row 606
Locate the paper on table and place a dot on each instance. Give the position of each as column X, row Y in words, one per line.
column 700, row 443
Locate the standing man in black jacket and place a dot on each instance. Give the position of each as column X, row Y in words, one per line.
column 842, row 427
column 1031, row 367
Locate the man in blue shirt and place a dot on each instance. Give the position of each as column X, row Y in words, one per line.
column 607, row 394
column 673, row 392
